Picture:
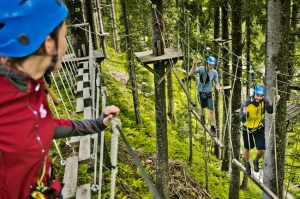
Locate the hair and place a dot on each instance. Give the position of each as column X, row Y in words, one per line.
column 19, row 60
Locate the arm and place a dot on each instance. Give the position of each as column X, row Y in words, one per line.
column 243, row 113
column 269, row 108
column 68, row 128
column 216, row 80
column 217, row 85
column 192, row 71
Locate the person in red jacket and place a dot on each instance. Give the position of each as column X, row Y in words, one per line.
column 32, row 43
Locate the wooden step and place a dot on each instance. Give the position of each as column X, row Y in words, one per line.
column 83, row 191
column 79, row 87
column 79, row 72
column 86, row 66
column 87, row 113
column 84, row 148
column 79, row 105
column 86, row 77
column 70, row 178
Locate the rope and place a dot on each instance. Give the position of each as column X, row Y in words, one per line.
column 65, row 90
column 57, row 88
column 113, row 154
column 295, row 153
column 231, row 94
column 151, row 187
column 101, row 145
column 62, row 161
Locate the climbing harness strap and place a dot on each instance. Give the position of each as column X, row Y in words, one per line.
column 250, row 130
column 41, row 190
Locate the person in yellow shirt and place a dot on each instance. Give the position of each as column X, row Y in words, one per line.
column 252, row 115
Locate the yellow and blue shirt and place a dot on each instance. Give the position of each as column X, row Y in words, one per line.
column 256, row 112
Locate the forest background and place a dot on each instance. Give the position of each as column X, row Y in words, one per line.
column 252, row 42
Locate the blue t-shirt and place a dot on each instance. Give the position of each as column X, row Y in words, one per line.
column 213, row 74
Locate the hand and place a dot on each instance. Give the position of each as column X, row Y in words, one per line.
column 111, row 111
column 245, row 111
column 277, row 98
column 195, row 62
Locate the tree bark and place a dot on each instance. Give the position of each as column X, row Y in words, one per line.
column 114, row 27
column 277, row 56
column 101, row 28
column 131, row 68
column 160, row 101
column 236, row 90
column 171, row 112
column 79, row 36
column 226, row 82
column 217, row 96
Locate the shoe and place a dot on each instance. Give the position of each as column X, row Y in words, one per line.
column 248, row 168
column 202, row 119
column 213, row 132
column 256, row 165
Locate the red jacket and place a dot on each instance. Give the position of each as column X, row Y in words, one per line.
column 27, row 128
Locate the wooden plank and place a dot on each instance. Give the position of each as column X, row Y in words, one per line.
column 68, row 57
column 74, row 140
column 147, row 56
column 295, row 86
column 79, row 72
column 206, row 128
column 79, row 87
column 84, row 148
column 86, row 77
column 79, row 105
column 255, row 180
column 292, row 110
column 87, row 113
column 70, row 178
column 86, row 93
column 83, row 191
column 86, row 67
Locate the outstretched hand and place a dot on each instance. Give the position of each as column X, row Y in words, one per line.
column 195, row 61
column 277, row 98
column 111, row 111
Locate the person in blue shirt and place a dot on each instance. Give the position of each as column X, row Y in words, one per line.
column 207, row 74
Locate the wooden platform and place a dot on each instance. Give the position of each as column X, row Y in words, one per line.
column 147, row 57
column 292, row 110
column 99, row 56
column 295, row 86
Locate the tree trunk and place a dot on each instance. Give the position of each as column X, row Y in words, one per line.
column 226, row 94
column 114, row 27
column 79, row 36
column 171, row 113
column 294, row 38
column 217, row 96
column 236, row 90
column 160, row 101
column 101, row 28
column 248, row 44
column 277, row 56
column 132, row 74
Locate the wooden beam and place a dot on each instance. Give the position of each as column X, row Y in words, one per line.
column 163, row 77
column 255, row 180
column 184, row 89
column 150, row 69
column 206, row 128
column 77, row 25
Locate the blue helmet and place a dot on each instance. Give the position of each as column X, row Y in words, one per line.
column 259, row 90
column 25, row 24
column 211, row 60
